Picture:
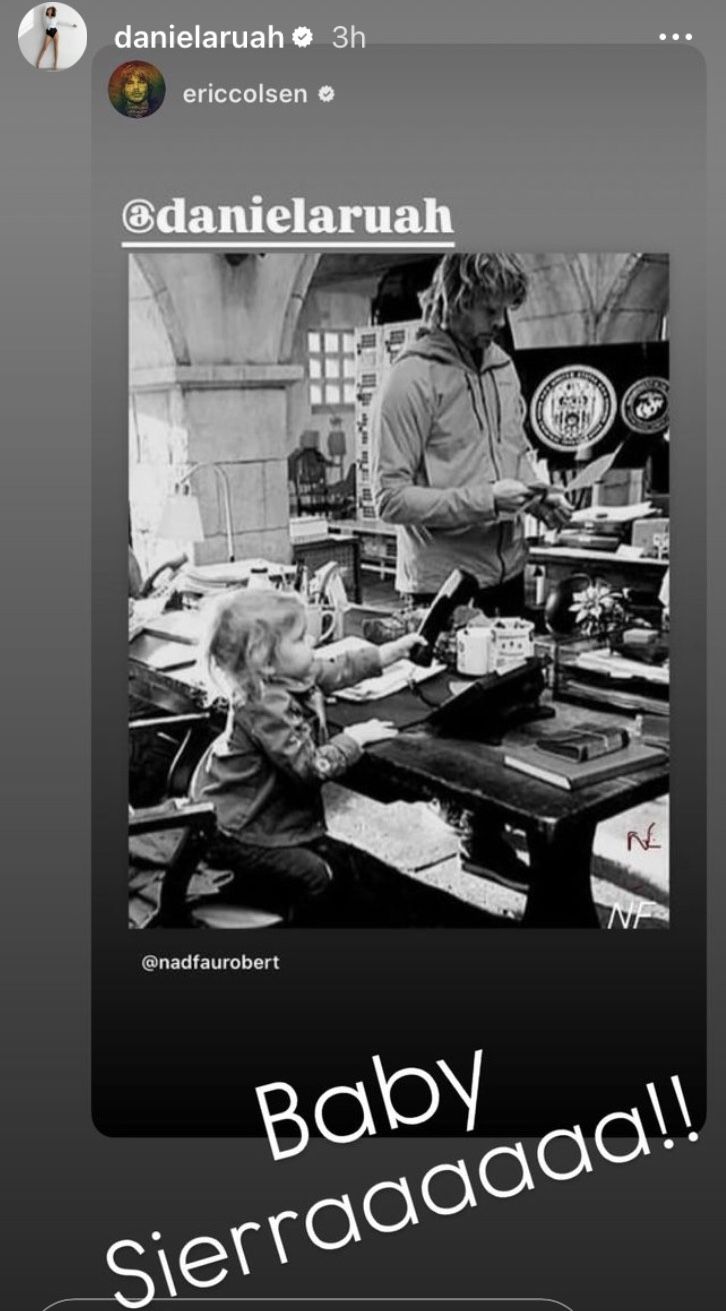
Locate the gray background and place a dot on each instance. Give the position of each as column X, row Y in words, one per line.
column 598, row 168
column 642, row 1237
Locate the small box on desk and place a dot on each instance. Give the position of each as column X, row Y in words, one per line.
column 305, row 528
column 651, row 537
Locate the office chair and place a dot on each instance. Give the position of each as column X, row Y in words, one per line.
column 307, row 470
column 163, row 872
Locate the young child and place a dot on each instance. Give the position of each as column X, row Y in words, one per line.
column 265, row 773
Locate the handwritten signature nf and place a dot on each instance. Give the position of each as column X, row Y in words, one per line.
column 648, row 843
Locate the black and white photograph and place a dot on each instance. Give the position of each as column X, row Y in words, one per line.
column 398, row 604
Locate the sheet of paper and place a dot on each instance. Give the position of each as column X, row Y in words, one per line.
column 396, row 678
column 594, row 472
column 613, row 513
column 616, row 666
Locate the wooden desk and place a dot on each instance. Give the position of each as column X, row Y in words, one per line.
column 560, row 826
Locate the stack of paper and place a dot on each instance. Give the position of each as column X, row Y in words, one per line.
column 211, row 578
column 616, row 666
column 142, row 613
column 397, row 677
column 403, row 674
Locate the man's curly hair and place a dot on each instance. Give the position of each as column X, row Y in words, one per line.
column 462, row 281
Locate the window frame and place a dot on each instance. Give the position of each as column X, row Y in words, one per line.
column 341, row 355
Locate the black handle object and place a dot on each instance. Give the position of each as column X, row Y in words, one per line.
column 489, row 706
column 459, row 589
column 172, row 565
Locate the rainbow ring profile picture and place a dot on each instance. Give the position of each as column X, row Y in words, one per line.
column 136, row 89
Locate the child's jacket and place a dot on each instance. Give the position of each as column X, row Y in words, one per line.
column 264, row 773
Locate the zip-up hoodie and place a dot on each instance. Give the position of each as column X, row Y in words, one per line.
column 442, row 433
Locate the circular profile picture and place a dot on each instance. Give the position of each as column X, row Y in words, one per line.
column 644, row 406
column 573, row 408
column 52, row 36
column 136, row 89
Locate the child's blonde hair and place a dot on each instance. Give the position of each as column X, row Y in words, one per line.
column 240, row 641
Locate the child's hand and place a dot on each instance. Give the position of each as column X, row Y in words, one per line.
column 400, row 649
column 316, row 880
column 373, row 730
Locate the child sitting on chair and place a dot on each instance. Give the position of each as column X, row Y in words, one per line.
column 265, row 773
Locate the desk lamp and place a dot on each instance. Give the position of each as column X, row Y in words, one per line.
column 181, row 518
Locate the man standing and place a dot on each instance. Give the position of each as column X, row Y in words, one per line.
column 450, row 463
column 451, row 467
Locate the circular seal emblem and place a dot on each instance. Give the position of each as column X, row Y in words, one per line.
column 644, row 407
column 573, row 407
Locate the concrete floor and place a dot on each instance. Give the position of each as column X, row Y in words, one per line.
column 418, row 841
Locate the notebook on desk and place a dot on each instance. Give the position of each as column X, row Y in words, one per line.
column 588, row 741
column 573, row 774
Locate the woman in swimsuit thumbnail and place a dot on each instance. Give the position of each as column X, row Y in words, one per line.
column 51, row 22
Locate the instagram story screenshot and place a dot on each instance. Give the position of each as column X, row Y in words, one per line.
column 362, row 537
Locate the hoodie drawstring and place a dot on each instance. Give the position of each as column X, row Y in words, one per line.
column 488, row 428
column 472, row 398
column 469, row 386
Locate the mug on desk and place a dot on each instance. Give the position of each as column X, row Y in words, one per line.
column 320, row 623
column 474, row 651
